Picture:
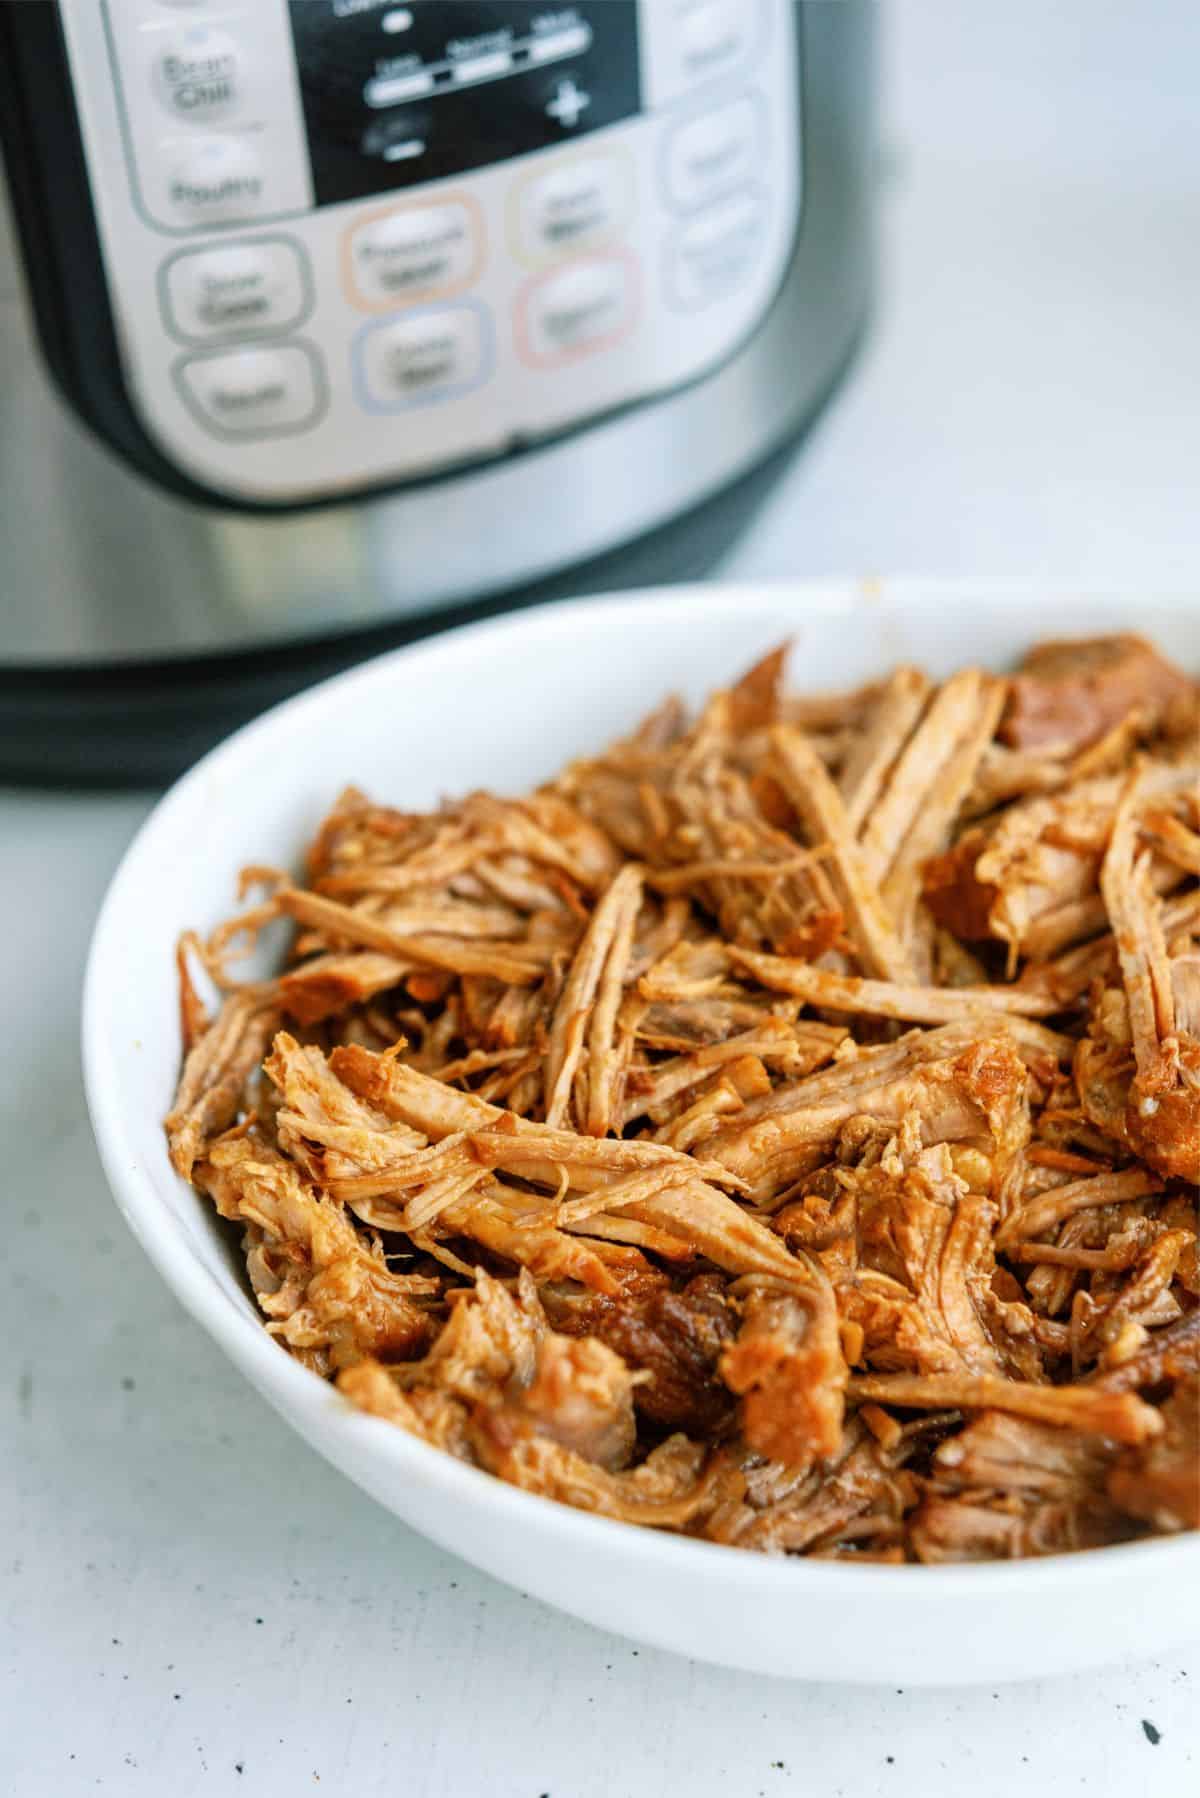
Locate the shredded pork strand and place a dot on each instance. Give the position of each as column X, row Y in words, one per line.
column 782, row 1128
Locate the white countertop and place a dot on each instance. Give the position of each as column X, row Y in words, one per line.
column 190, row 1601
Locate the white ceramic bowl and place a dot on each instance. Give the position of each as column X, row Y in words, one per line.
column 504, row 704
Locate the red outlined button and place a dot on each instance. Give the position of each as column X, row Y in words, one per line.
column 588, row 306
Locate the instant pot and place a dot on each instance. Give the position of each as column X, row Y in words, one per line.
column 362, row 314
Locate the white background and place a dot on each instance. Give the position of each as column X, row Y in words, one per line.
column 190, row 1602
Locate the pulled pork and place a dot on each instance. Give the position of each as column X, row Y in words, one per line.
column 782, row 1129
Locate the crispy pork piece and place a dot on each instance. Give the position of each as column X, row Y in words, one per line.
column 326, row 1289
column 1172, row 1353
column 393, row 1178
column 1030, row 878
column 489, row 1346
column 322, row 1125
column 496, row 1355
column 326, row 985
column 658, row 1092
column 881, row 999
column 787, row 1366
column 585, row 1018
column 517, row 966
column 694, row 817
column 581, row 1396
column 819, row 804
column 1001, row 1454
column 1046, row 1210
column 963, row 1091
column 783, row 1128
column 1007, row 1486
column 671, row 1489
column 940, row 808
column 431, row 1414
column 1160, row 1483
column 1139, row 1077
column 953, row 713
column 921, row 1288
column 1068, row 694
column 758, row 882
column 672, row 1333
column 683, row 1201
column 863, row 1489
column 949, row 1530
column 1120, row 1416
column 217, row 1073
column 874, row 751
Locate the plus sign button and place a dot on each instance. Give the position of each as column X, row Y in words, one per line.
column 568, row 103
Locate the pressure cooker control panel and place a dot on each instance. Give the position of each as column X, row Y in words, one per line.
column 351, row 242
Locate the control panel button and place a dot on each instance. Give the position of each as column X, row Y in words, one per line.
column 256, row 392
column 424, row 357
column 573, row 207
column 198, row 73
column 708, row 156
column 217, row 180
column 690, row 44
column 714, row 36
column 589, row 306
column 716, row 250
column 236, row 288
column 413, row 252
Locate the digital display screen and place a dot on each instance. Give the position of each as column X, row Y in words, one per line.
column 396, row 95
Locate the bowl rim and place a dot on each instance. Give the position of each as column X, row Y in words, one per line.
column 294, row 1390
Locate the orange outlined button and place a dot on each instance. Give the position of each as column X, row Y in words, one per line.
column 408, row 254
